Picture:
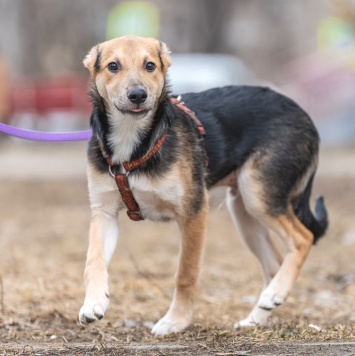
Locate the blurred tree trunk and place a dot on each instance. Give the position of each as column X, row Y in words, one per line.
column 10, row 38
column 58, row 34
column 216, row 15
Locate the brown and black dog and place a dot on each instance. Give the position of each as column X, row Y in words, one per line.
column 259, row 144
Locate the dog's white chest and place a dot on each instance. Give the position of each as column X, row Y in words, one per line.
column 158, row 199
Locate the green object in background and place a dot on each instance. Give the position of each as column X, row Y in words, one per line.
column 337, row 34
column 138, row 18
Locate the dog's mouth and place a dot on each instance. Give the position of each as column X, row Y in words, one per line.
column 136, row 111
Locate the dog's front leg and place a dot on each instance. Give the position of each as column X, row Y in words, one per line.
column 178, row 317
column 102, row 242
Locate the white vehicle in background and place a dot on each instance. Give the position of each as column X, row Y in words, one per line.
column 196, row 72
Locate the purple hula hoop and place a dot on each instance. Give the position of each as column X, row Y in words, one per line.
column 45, row 136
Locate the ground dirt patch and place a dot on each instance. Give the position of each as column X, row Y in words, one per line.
column 43, row 240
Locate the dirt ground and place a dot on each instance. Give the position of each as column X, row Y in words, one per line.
column 44, row 223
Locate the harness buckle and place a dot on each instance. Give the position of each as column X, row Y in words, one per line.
column 110, row 171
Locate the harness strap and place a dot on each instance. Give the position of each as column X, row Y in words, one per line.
column 129, row 166
column 134, row 212
column 177, row 102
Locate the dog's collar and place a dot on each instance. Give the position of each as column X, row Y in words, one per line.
column 129, row 166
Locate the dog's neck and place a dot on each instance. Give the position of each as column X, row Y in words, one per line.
column 126, row 133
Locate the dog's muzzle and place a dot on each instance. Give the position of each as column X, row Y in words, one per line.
column 137, row 95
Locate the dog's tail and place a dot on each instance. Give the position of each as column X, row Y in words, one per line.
column 316, row 223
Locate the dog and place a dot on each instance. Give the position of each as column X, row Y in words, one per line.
column 259, row 144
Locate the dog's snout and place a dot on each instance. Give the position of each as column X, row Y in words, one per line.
column 137, row 95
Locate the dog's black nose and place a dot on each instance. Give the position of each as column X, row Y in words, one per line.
column 137, row 95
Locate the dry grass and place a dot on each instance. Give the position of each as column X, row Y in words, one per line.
column 42, row 254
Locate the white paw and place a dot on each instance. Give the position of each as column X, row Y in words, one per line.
column 270, row 299
column 93, row 310
column 245, row 323
column 258, row 317
column 165, row 326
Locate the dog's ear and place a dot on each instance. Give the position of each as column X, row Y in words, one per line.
column 92, row 60
column 164, row 56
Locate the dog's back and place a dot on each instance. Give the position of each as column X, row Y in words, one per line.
column 247, row 121
column 242, row 120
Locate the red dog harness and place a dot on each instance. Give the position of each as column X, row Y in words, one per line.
column 121, row 179
column 134, row 212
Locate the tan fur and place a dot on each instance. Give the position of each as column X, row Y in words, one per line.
column 298, row 241
column 193, row 230
column 250, row 188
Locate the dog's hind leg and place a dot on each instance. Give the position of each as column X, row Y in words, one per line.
column 193, row 231
column 298, row 241
column 262, row 203
column 256, row 237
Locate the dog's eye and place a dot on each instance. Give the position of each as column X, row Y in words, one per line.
column 150, row 66
column 113, row 67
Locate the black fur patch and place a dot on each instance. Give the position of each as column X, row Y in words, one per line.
column 318, row 223
column 241, row 120
column 98, row 119
column 162, row 67
column 97, row 65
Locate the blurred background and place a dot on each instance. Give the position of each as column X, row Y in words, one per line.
column 302, row 48
column 305, row 49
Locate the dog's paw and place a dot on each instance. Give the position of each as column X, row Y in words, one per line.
column 246, row 323
column 270, row 299
column 258, row 317
column 165, row 326
column 93, row 310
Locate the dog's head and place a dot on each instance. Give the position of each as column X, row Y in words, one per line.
column 129, row 73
